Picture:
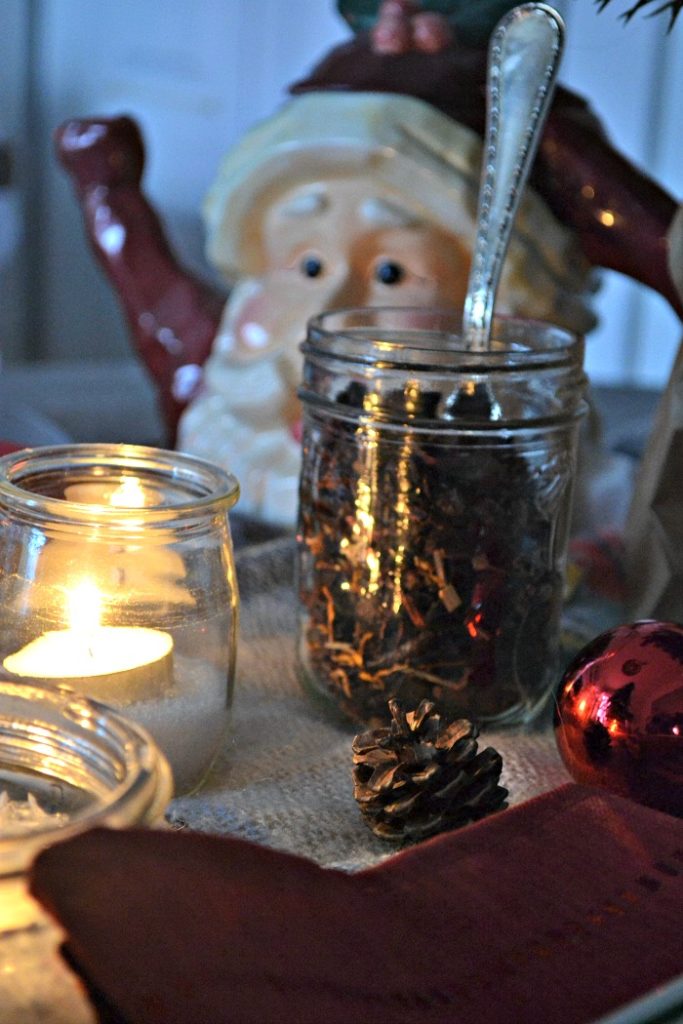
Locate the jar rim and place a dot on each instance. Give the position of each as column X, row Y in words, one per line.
column 409, row 367
column 406, row 336
column 214, row 486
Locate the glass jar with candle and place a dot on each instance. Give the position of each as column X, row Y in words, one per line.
column 434, row 511
column 117, row 579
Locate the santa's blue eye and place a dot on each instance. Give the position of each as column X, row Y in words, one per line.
column 311, row 266
column 389, row 272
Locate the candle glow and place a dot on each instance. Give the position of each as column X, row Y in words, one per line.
column 84, row 604
column 115, row 663
column 129, row 494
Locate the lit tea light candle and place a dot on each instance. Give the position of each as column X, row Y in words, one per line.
column 115, row 664
column 129, row 493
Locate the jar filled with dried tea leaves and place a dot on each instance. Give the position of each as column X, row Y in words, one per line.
column 434, row 511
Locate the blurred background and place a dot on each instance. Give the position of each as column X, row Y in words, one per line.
column 196, row 76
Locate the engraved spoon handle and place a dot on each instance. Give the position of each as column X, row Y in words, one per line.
column 524, row 54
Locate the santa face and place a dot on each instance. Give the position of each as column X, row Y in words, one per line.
column 323, row 245
column 332, row 245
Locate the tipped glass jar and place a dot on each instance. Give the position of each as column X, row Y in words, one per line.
column 117, row 579
column 66, row 764
column 434, row 512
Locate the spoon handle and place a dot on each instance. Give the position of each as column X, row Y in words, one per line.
column 524, row 54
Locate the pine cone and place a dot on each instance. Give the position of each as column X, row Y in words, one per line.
column 417, row 776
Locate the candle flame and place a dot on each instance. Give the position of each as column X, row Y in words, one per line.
column 129, row 494
column 84, row 607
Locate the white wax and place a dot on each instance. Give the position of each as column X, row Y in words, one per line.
column 20, row 816
column 188, row 721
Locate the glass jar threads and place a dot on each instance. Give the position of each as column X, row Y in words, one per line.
column 117, row 579
column 434, row 511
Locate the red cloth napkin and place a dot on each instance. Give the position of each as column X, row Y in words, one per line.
column 553, row 912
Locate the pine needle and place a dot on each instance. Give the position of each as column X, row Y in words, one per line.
column 673, row 7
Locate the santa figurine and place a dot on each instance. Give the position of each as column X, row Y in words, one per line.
column 361, row 190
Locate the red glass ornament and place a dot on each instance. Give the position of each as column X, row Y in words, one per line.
column 619, row 714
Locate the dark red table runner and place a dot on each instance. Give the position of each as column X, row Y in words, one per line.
column 553, row 912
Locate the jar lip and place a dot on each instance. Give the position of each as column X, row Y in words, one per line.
column 219, row 486
column 405, row 336
column 139, row 795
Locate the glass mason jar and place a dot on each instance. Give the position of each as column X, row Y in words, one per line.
column 434, row 511
column 67, row 763
column 117, row 579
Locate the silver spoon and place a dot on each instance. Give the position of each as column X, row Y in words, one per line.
column 524, row 54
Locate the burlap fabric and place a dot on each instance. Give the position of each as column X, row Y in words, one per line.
column 284, row 777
